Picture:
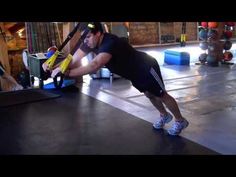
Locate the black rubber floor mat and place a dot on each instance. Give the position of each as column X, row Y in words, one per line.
column 24, row 96
column 77, row 124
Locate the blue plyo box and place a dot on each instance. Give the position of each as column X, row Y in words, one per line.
column 172, row 57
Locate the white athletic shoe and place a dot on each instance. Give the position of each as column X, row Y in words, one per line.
column 164, row 120
column 177, row 127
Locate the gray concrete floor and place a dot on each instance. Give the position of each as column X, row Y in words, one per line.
column 206, row 96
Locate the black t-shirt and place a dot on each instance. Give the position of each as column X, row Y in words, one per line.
column 126, row 61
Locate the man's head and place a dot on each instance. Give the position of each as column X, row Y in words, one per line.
column 91, row 34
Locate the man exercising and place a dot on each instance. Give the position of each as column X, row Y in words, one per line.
column 122, row 59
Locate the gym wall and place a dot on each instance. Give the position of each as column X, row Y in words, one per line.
column 142, row 33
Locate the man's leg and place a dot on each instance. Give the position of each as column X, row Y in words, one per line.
column 180, row 123
column 157, row 103
column 165, row 117
column 165, row 98
column 157, row 100
column 172, row 105
column 169, row 101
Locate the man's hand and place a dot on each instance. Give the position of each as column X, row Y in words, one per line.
column 48, row 64
column 45, row 67
column 55, row 72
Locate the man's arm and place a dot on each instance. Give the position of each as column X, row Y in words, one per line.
column 98, row 62
column 78, row 55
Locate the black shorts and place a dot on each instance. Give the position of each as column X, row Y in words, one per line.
column 151, row 81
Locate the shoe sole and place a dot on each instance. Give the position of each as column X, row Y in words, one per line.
column 180, row 131
column 158, row 128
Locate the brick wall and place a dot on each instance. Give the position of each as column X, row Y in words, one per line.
column 148, row 32
column 143, row 33
column 178, row 29
column 167, row 28
column 191, row 30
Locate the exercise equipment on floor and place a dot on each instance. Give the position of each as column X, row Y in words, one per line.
column 203, row 58
column 173, row 57
column 204, row 24
column 227, row 35
column 203, row 45
column 212, row 24
column 183, row 35
column 203, row 34
column 215, row 43
column 212, row 34
column 228, row 56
